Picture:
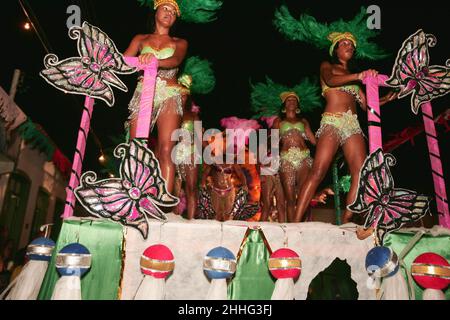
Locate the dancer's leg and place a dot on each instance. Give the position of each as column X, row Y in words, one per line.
column 191, row 189
column 302, row 176
column 355, row 154
column 281, row 201
column 326, row 149
column 288, row 178
column 133, row 126
column 266, row 200
column 177, row 193
column 168, row 121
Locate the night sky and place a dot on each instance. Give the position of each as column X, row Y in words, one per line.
column 243, row 46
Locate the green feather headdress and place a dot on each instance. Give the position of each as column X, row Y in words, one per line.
column 307, row 29
column 266, row 102
column 198, row 76
column 196, row 11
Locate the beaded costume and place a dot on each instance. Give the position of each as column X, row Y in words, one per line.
column 165, row 95
column 185, row 151
column 342, row 124
column 294, row 158
column 351, row 89
column 228, row 203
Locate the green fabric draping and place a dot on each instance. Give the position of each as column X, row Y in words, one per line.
column 104, row 240
column 36, row 138
column 428, row 243
column 252, row 280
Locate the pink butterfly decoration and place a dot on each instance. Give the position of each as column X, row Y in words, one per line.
column 387, row 208
column 132, row 198
column 413, row 74
column 94, row 71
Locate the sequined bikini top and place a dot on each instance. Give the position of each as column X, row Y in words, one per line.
column 161, row 54
column 352, row 89
column 287, row 126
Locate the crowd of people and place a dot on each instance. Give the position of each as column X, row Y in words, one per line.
column 221, row 191
column 295, row 182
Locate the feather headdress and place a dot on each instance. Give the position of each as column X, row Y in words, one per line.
column 325, row 36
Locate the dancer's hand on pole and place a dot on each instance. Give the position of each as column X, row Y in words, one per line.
column 367, row 73
column 145, row 58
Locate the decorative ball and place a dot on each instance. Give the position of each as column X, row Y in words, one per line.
column 382, row 262
column 219, row 263
column 157, row 261
column 73, row 260
column 431, row 271
column 285, row 264
column 41, row 249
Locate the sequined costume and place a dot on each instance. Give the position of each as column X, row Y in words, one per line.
column 165, row 94
column 185, row 151
column 240, row 210
column 293, row 158
column 352, row 89
column 342, row 124
column 228, row 203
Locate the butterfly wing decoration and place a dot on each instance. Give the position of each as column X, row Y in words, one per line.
column 413, row 74
column 205, row 207
column 386, row 207
column 242, row 210
column 94, row 72
column 136, row 195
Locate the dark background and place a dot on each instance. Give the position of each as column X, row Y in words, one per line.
column 242, row 44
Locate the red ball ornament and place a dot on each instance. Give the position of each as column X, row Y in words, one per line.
column 431, row 271
column 285, row 264
column 157, row 261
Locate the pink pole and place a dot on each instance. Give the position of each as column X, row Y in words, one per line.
column 147, row 96
column 78, row 158
column 373, row 110
column 436, row 165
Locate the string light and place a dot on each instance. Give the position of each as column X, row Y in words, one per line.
column 27, row 26
column 31, row 25
column 102, row 158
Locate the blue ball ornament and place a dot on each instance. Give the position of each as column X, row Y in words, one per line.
column 41, row 249
column 219, row 263
column 73, row 260
column 382, row 262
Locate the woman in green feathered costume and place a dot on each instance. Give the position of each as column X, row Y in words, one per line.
column 272, row 99
column 341, row 90
column 197, row 78
column 170, row 51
